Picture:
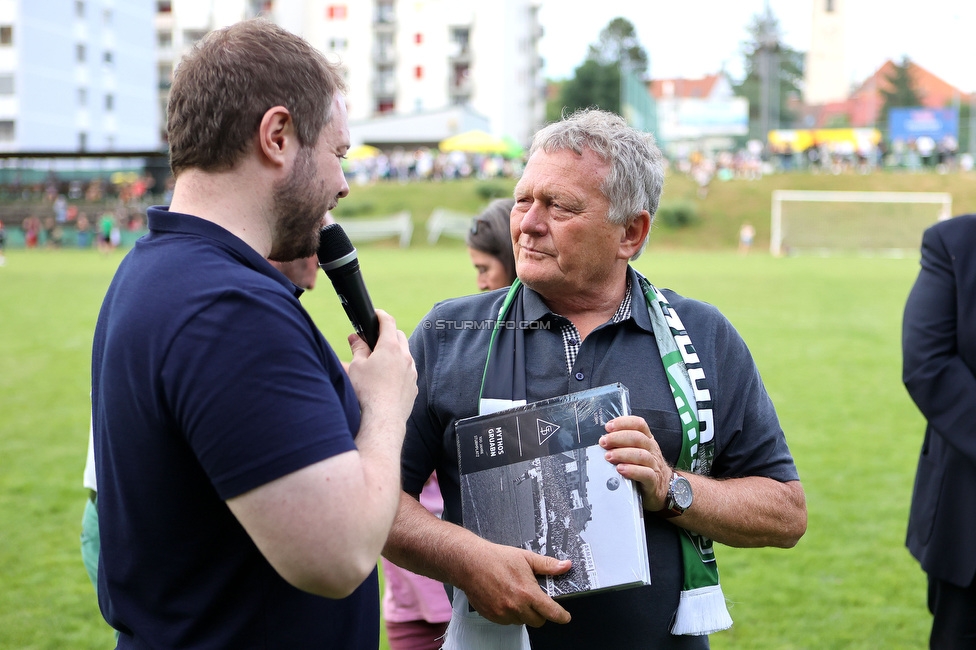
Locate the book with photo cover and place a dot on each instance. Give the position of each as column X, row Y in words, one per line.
column 535, row 477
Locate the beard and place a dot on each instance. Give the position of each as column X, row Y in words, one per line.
column 300, row 203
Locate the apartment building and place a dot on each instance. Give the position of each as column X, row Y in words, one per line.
column 410, row 58
column 400, row 58
column 179, row 24
column 77, row 76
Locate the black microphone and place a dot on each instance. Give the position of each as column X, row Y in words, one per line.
column 338, row 259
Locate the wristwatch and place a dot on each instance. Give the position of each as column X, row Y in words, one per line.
column 679, row 496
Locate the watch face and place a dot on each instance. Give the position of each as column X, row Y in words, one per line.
column 681, row 489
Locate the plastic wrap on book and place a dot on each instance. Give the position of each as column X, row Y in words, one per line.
column 535, row 477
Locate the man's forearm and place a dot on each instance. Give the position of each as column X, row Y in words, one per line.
column 746, row 512
column 422, row 543
column 379, row 452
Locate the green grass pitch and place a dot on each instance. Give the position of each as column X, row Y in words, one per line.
column 825, row 334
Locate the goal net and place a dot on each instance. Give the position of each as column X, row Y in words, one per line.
column 876, row 223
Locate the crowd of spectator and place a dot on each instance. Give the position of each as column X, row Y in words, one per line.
column 755, row 161
column 78, row 214
column 425, row 164
column 101, row 211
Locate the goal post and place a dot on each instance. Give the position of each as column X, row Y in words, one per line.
column 804, row 221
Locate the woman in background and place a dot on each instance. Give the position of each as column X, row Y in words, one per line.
column 490, row 245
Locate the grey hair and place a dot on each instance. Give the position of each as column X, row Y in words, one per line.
column 636, row 176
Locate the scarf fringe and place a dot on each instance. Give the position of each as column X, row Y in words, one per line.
column 701, row 611
column 468, row 630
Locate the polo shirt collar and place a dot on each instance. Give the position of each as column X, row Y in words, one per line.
column 535, row 309
column 161, row 220
column 638, row 304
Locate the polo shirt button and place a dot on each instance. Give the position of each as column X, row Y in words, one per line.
column 579, row 376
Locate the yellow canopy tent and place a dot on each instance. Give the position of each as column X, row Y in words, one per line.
column 474, row 142
column 362, row 152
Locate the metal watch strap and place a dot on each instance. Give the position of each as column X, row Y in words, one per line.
column 670, row 508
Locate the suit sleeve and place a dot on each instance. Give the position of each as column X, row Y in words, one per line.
column 936, row 376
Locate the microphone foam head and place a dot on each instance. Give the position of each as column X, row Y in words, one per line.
column 334, row 244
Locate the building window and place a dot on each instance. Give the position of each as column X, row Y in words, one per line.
column 164, row 7
column 461, row 36
column 109, row 103
column 82, row 97
column 107, row 16
column 385, row 82
column 6, row 130
column 460, row 76
column 335, row 12
column 82, row 141
column 80, row 8
column 165, row 40
column 338, row 44
column 80, row 53
column 830, row 6
column 191, row 36
column 107, row 57
column 418, row 38
column 7, row 84
column 165, row 75
column 385, row 12
column 6, row 34
column 418, row 72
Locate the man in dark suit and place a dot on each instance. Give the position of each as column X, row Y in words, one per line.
column 939, row 371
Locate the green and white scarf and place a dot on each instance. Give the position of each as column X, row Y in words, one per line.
column 701, row 608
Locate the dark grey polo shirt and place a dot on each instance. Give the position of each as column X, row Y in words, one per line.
column 450, row 346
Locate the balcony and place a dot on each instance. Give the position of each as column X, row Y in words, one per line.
column 384, row 87
column 460, row 86
column 384, row 55
column 385, row 14
column 456, row 53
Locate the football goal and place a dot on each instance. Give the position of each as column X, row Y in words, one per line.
column 874, row 223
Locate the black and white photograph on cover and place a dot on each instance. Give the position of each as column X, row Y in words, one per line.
column 535, row 477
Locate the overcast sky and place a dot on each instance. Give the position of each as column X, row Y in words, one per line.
column 692, row 38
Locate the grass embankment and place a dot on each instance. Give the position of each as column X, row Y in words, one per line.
column 727, row 206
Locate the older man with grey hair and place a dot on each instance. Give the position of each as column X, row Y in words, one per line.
column 703, row 443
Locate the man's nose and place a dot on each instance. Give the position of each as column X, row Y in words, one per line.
column 533, row 220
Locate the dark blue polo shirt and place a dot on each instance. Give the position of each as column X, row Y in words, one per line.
column 209, row 379
column 450, row 346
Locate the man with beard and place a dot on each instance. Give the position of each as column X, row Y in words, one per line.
column 246, row 482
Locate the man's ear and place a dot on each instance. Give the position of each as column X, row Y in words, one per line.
column 634, row 235
column 277, row 140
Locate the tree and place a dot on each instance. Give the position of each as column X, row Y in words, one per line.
column 618, row 45
column 899, row 90
column 767, row 57
column 554, row 99
column 596, row 82
column 593, row 84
